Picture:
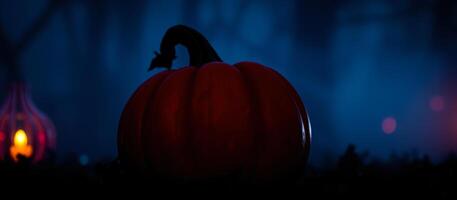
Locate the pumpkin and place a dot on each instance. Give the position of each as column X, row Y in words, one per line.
column 213, row 119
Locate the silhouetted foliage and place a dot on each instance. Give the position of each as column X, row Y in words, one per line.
column 352, row 175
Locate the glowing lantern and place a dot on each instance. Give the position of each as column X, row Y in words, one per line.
column 24, row 130
column 20, row 146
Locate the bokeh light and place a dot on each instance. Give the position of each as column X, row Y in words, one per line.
column 437, row 103
column 2, row 136
column 453, row 123
column 389, row 125
column 83, row 159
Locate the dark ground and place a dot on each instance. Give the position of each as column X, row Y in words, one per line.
column 404, row 176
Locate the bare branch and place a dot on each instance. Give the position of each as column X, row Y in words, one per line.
column 6, row 48
column 37, row 26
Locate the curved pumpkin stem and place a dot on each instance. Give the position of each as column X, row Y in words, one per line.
column 199, row 49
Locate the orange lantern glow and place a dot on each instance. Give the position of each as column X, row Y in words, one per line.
column 24, row 130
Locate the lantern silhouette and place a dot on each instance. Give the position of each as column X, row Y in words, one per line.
column 24, row 130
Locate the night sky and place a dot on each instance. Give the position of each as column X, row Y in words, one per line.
column 378, row 74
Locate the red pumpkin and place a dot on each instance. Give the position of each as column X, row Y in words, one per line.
column 213, row 119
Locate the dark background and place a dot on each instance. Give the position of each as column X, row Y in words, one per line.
column 354, row 64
